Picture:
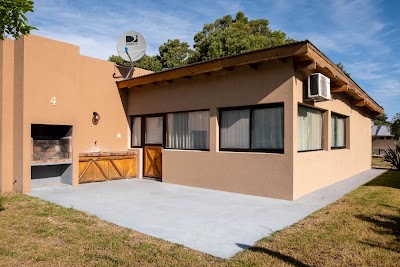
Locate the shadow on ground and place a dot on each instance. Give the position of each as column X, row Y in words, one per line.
column 384, row 225
column 275, row 254
column 387, row 179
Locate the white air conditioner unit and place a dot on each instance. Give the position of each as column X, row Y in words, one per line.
column 319, row 87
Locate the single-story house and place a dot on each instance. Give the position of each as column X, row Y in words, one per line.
column 382, row 139
column 242, row 123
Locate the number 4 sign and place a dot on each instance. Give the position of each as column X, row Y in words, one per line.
column 53, row 101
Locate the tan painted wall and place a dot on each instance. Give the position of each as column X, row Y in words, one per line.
column 260, row 174
column 46, row 68
column 316, row 169
column 6, row 112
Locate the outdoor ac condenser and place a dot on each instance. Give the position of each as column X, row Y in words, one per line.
column 319, row 87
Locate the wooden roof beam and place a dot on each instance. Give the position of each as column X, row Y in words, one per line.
column 339, row 89
column 360, row 103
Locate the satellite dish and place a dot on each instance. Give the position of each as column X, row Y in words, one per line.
column 131, row 46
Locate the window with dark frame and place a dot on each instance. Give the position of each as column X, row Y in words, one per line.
column 254, row 128
column 338, row 131
column 187, row 130
column 309, row 129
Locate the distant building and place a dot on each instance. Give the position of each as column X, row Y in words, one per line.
column 381, row 139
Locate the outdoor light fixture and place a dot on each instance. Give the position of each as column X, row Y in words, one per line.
column 96, row 118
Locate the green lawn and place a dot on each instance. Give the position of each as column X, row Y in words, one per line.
column 378, row 162
column 360, row 229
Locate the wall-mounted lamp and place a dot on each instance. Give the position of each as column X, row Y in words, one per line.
column 96, row 118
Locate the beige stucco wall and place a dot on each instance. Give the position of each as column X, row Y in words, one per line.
column 6, row 112
column 316, row 169
column 263, row 174
column 45, row 68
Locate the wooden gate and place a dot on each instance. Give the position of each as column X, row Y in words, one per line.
column 153, row 161
column 104, row 168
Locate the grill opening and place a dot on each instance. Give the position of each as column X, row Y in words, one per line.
column 51, row 156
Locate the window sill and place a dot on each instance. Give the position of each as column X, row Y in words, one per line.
column 338, row 148
column 312, row 150
column 256, row 151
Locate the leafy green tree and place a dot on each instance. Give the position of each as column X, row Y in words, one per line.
column 174, row 54
column 341, row 67
column 395, row 126
column 382, row 120
column 13, row 21
column 147, row 62
column 225, row 37
column 118, row 60
column 230, row 36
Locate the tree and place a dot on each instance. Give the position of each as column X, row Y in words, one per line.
column 382, row 120
column 174, row 54
column 341, row 67
column 395, row 126
column 13, row 21
column 225, row 37
column 228, row 36
column 147, row 62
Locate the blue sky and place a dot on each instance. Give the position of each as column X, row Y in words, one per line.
column 363, row 34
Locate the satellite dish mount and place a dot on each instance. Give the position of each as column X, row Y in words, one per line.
column 131, row 47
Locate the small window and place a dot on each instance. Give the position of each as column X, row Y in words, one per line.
column 255, row 128
column 154, row 130
column 309, row 129
column 188, row 130
column 136, row 132
column 338, row 131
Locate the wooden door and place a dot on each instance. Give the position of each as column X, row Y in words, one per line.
column 154, row 136
column 153, row 161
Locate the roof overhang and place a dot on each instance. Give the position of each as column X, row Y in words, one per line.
column 306, row 57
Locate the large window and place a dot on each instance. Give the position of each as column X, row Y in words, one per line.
column 309, row 129
column 188, row 130
column 338, row 131
column 256, row 128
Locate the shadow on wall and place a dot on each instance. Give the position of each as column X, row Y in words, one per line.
column 384, row 225
column 274, row 254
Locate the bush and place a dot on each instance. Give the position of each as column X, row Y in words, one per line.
column 392, row 155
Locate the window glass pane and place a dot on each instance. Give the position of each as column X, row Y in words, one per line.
column 154, row 130
column 267, row 132
column 235, row 129
column 338, row 131
column 188, row 130
column 136, row 131
column 309, row 129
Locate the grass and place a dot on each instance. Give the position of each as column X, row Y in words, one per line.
column 378, row 162
column 360, row 229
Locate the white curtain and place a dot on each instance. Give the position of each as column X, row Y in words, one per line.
column 309, row 129
column 338, row 131
column 188, row 130
column 267, row 128
column 136, row 131
column 154, row 130
column 235, row 129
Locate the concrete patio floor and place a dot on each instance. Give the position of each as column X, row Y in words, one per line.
column 215, row 222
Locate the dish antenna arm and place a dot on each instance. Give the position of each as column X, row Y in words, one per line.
column 132, row 69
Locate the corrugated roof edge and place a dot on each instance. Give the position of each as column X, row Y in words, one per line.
column 265, row 49
column 335, row 66
column 214, row 59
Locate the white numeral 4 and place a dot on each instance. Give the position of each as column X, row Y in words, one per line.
column 53, row 101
